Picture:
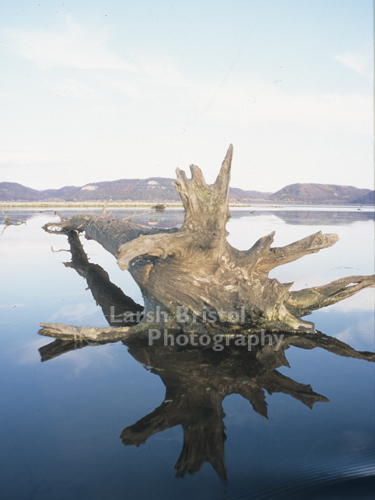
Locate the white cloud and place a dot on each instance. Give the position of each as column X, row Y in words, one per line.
column 75, row 313
column 8, row 95
column 74, row 89
column 160, row 72
column 81, row 359
column 129, row 86
column 27, row 158
column 359, row 333
column 244, row 101
column 29, row 353
column 358, row 62
column 72, row 47
column 238, row 101
column 247, row 102
column 154, row 78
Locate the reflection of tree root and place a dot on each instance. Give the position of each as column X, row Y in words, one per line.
column 198, row 379
column 57, row 251
column 11, row 222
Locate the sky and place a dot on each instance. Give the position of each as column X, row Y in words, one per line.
column 100, row 90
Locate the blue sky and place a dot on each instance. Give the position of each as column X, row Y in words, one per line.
column 93, row 90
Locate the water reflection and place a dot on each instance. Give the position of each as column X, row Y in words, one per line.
column 174, row 217
column 9, row 221
column 314, row 217
column 310, row 217
column 197, row 380
column 107, row 295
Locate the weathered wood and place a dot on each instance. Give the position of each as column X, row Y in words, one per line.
column 96, row 334
column 196, row 268
column 305, row 301
column 110, row 233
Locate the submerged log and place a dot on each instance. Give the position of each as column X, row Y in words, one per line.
column 198, row 280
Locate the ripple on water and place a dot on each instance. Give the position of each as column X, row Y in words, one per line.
column 333, row 477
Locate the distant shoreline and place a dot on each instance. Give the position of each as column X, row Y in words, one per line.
column 81, row 204
column 98, row 204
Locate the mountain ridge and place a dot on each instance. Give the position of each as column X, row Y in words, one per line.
column 320, row 193
column 161, row 190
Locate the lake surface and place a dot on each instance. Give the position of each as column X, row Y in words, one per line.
column 97, row 422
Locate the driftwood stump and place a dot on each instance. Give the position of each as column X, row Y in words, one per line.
column 192, row 279
column 197, row 379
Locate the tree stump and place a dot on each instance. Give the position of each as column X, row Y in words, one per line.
column 192, row 279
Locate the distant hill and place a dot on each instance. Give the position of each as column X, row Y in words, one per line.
column 11, row 191
column 239, row 196
column 367, row 199
column 161, row 190
column 153, row 190
column 319, row 193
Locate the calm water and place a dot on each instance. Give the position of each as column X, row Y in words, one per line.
column 121, row 421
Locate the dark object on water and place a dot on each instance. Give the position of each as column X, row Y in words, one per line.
column 159, row 207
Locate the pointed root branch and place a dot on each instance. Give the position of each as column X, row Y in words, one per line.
column 104, row 211
column 190, row 200
column 96, row 334
column 307, row 300
column 157, row 245
column 221, row 186
column 57, row 251
column 205, row 204
column 296, row 250
column 51, row 227
column 266, row 258
column 135, row 214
